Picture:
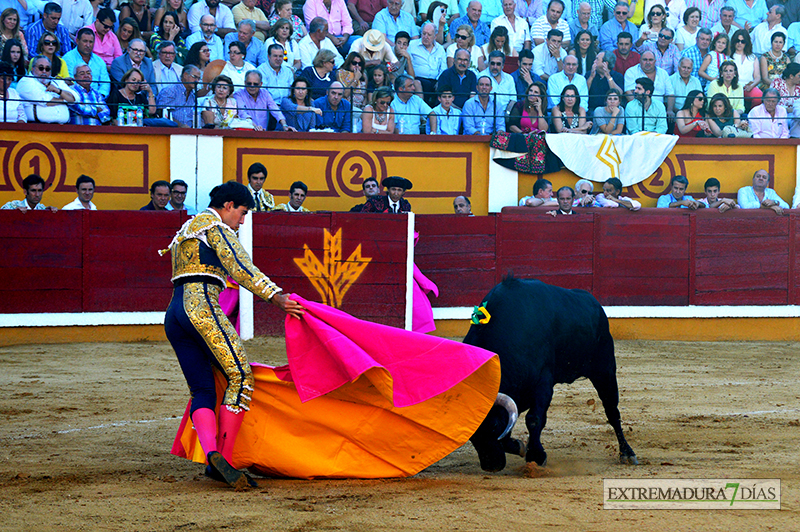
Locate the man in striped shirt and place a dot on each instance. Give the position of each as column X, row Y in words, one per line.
column 90, row 107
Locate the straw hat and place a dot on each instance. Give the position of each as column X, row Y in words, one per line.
column 374, row 40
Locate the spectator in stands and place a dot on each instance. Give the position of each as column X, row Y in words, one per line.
column 169, row 30
column 256, row 176
column 568, row 115
column 338, row 18
column 542, row 195
column 316, row 41
column 12, row 108
column 371, row 189
column 392, row 20
column 297, row 108
column 135, row 92
column 768, row 120
column 565, row 197
column 681, row 83
column 220, row 109
column 178, row 189
column 254, row 49
column 166, row 71
column 429, row 60
column 85, row 187
column 160, row 194
column 50, row 22
column 139, row 12
column 297, row 195
column 774, row 61
column 181, row 99
column 698, row 52
column 45, row 98
column 718, row 54
column 530, row 113
column 583, row 47
column 647, row 69
column 611, row 29
column 48, row 47
column 667, row 54
column 645, row 113
column 483, row 114
column 759, row 195
column 625, row 58
column 583, row 22
column 378, row 116
column 410, row 109
column 748, row 66
column 656, row 21
column 337, row 113
column 551, row 20
column 498, row 40
column 34, row 186
column 686, row 34
column 15, row 57
column 128, row 30
column 247, row 10
column 503, row 86
column 404, row 65
column 285, row 9
column 90, row 107
column 448, row 117
column 691, row 119
column 12, row 28
column 461, row 81
column 277, row 75
column 134, row 57
column 206, row 35
column 236, row 67
column 524, row 75
column 728, row 84
column 763, row 33
column 465, row 40
column 462, row 205
column 374, row 49
column 677, row 198
column 712, row 199
column 724, row 120
column 602, row 79
column 727, row 20
column 83, row 54
column 518, row 30
column 480, row 29
column 548, row 57
column 568, row 76
column 363, row 13
column 257, row 104
column 583, row 193
column 223, row 18
column 320, row 75
column 393, row 202
column 610, row 119
column 106, row 43
column 611, row 198
column 281, row 34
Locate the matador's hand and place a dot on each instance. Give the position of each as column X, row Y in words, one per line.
column 289, row 306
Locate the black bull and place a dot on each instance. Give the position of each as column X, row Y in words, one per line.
column 544, row 335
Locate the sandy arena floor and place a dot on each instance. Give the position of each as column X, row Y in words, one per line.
column 87, row 428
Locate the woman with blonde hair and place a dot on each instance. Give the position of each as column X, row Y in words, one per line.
column 465, row 39
column 498, row 40
column 49, row 46
column 320, row 74
column 9, row 29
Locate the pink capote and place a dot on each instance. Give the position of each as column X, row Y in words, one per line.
column 329, row 348
column 229, row 302
column 421, row 310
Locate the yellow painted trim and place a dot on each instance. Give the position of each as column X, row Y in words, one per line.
column 65, row 335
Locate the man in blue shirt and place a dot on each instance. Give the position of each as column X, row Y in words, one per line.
column 677, row 199
column 524, row 75
column 182, row 99
column 473, row 18
column 83, row 54
column 615, row 26
column 278, row 76
column 90, row 107
column 459, row 78
column 760, row 196
column 409, row 109
column 255, row 48
column 481, row 114
column 49, row 22
column 336, row 112
column 392, row 19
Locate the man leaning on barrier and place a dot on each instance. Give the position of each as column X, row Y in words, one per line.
column 89, row 108
column 178, row 102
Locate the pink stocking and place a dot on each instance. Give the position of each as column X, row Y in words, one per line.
column 205, row 423
column 229, row 425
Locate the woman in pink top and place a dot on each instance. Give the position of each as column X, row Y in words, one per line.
column 529, row 114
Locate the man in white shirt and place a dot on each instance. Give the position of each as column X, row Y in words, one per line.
column 568, row 76
column 85, row 187
column 519, row 34
column 207, row 35
column 727, row 22
column 223, row 17
column 277, row 75
column 551, row 21
column 166, row 71
column 177, row 201
column 46, row 98
column 429, row 60
column 316, row 40
column 75, row 14
column 503, row 86
column 762, row 34
column 548, row 57
column 647, row 69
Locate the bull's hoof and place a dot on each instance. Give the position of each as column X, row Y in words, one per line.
column 523, row 449
column 628, row 459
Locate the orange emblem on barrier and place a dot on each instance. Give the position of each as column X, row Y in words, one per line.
column 332, row 277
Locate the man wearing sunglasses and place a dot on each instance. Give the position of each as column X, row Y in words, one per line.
column 257, row 104
column 667, row 54
column 49, row 22
column 106, row 44
column 45, row 97
column 615, row 26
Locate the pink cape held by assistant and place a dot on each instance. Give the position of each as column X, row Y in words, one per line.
column 358, row 400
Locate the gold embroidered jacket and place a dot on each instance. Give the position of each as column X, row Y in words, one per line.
column 206, row 246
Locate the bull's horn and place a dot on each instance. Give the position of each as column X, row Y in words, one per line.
column 511, row 407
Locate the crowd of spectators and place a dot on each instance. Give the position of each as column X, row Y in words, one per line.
column 692, row 67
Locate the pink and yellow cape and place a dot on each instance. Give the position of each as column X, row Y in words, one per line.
column 358, row 400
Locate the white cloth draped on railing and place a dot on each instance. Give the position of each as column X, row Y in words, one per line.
column 631, row 158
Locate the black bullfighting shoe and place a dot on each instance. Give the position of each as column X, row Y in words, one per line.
column 232, row 476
